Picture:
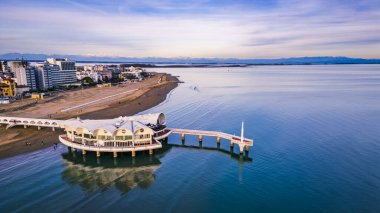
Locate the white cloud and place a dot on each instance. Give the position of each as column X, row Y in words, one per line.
column 292, row 28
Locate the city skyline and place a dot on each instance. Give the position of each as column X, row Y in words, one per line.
column 222, row 29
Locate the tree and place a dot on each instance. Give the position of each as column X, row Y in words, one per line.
column 106, row 79
column 144, row 74
column 87, row 80
column 130, row 76
column 116, row 80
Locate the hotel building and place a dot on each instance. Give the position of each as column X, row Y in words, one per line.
column 63, row 73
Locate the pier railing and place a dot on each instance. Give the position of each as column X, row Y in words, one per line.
column 18, row 121
column 242, row 142
column 65, row 140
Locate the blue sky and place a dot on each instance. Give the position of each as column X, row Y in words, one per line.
column 198, row 28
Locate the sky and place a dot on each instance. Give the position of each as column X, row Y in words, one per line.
column 198, row 28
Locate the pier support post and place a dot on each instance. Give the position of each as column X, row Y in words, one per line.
column 218, row 139
column 24, row 126
column 69, row 149
column 83, row 152
column 39, row 128
column 150, row 151
column 231, row 143
column 133, row 153
column 241, row 147
column 53, row 129
column 183, row 136
column 200, row 138
column 115, row 154
column 97, row 153
column 246, row 148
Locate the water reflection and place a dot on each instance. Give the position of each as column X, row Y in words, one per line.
column 123, row 173
column 100, row 174
column 233, row 155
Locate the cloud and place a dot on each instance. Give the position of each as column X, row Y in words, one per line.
column 201, row 28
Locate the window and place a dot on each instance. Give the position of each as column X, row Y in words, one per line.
column 119, row 137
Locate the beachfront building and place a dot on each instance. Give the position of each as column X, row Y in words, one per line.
column 63, row 71
column 31, row 77
column 122, row 134
column 91, row 74
column 132, row 73
column 44, row 75
column 3, row 66
column 18, row 68
column 8, row 87
column 21, row 90
column 5, row 70
column 105, row 75
column 24, row 73
column 136, row 71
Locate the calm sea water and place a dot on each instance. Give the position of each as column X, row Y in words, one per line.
column 317, row 149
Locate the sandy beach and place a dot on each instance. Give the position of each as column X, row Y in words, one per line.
column 92, row 103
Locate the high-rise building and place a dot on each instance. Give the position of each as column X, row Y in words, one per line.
column 31, row 77
column 45, row 75
column 5, row 71
column 18, row 68
column 66, row 72
column 2, row 66
column 24, row 73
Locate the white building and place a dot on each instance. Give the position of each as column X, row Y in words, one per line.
column 123, row 134
column 44, row 75
column 18, row 68
column 93, row 75
column 66, row 74
column 24, row 73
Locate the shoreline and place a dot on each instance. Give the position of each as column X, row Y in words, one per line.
column 14, row 139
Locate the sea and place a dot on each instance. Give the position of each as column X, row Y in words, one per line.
column 316, row 132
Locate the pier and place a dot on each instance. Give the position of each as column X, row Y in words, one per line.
column 239, row 140
column 123, row 134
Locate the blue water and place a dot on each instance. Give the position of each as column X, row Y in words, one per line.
column 317, row 149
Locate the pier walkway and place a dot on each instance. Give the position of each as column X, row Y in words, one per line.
column 241, row 141
column 17, row 121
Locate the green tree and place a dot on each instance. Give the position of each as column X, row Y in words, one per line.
column 87, row 80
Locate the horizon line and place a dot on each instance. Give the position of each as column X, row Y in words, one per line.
column 187, row 57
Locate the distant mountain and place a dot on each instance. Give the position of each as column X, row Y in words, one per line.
column 279, row 61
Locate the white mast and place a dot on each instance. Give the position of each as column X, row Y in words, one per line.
column 242, row 132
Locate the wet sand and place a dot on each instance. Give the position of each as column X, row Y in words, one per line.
column 13, row 141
